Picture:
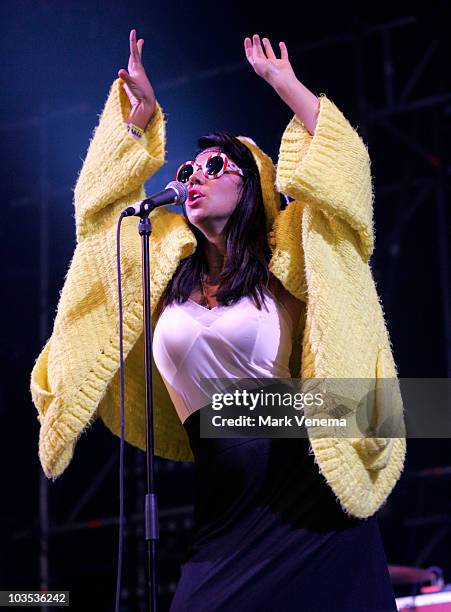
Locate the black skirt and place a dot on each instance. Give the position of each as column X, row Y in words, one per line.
column 269, row 535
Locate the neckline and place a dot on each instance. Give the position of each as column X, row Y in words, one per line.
column 278, row 302
column 204, row 307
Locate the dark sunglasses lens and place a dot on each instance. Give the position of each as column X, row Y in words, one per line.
column 214, row 165
column 184, row 173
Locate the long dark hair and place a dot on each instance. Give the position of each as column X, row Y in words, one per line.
column 248, row 253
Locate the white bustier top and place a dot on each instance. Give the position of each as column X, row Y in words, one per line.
column 192, row 342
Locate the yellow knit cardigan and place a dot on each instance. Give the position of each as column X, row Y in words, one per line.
column 321, row 244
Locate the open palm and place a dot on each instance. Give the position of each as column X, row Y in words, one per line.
column 275, row 71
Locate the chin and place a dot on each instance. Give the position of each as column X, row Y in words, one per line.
column 196, row 217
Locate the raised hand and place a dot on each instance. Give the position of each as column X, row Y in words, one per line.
column 137, row 85
column 280, row 75
column 277, row 72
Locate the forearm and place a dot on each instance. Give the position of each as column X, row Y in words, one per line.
column 302, row 102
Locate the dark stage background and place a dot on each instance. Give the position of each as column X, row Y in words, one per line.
column 389, row 74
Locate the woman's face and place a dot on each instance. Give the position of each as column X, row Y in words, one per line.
column 211, row 212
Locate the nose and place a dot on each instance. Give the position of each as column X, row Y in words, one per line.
column 197, row 177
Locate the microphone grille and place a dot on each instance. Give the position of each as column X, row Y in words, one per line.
column 180, row 190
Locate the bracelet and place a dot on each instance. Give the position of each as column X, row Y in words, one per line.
column 134, row 130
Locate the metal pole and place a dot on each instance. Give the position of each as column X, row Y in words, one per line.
column 151, row 506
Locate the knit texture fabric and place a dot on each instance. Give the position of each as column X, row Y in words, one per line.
column 321, row 245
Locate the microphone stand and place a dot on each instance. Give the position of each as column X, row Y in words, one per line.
column 151, row 506
column 151, row 523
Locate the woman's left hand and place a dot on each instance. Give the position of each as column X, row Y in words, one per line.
column 280, row 75
column 277, row 72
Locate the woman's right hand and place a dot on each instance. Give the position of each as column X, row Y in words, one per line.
column 137, row 86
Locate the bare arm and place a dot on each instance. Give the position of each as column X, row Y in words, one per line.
column 322, row 162
column 280, row 75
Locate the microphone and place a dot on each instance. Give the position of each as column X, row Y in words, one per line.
column 175, row 193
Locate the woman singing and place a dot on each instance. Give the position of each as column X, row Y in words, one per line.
column 240, row 289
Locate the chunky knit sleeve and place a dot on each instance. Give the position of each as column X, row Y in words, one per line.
column 75, row 368
column 116, row 164
column 329, row 170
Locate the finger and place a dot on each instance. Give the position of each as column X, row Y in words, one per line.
column 268, row 49
column 128, row 91
column 134, row 47
column 283, row 51
column 123, row 74
column 248, row 48
column 140, row 47
column 257, row 48
column 131, row 42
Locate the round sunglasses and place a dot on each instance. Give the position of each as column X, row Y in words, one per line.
column 214, row 166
